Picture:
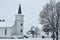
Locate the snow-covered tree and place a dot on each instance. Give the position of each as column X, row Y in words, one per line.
column 37, row 31
column 50, row 16
column 34, row 31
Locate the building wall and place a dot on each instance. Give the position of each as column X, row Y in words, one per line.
column 19, row 17
column 19, row 23
column 9, row 31
column 16, row 29
column 5, row 33
column 2, row 31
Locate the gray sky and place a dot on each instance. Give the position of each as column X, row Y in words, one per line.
column 30, row 10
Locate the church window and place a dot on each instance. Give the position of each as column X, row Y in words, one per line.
column 5, row 31
column 21, row 30
column 21, row 24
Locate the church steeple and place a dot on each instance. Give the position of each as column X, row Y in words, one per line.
column 19, row 11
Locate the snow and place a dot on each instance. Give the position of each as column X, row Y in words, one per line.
column 31, row 39
column 6, row 24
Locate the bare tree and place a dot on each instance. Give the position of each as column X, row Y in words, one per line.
column 47, row 29
column 58, row 18
column 34, row 31
column 50, row 17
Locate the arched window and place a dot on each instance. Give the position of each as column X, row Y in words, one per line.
column 5, row 31
column 21, row 30
column 21, row 24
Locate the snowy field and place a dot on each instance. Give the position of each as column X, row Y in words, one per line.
column 30, row 39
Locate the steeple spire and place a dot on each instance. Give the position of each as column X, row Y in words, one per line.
column 19, row 11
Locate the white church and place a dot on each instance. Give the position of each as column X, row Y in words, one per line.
column 16, row 30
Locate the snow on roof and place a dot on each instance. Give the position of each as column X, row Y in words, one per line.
column 6, row 24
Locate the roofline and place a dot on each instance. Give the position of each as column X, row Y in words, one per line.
column 5, row 27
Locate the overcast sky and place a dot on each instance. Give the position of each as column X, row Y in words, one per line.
column 30, row 10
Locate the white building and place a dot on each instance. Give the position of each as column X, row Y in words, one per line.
column 14, row 31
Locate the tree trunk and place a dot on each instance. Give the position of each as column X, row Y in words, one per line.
column 57, row 31
column 53, row 36
column 57, row 34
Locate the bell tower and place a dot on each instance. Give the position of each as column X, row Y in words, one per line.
column 19, row 22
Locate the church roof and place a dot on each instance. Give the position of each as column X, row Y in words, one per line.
column 6, row 24
column 19, row 11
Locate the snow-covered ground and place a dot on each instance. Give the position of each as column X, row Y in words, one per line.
column 30, row 39
column 40, row 39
